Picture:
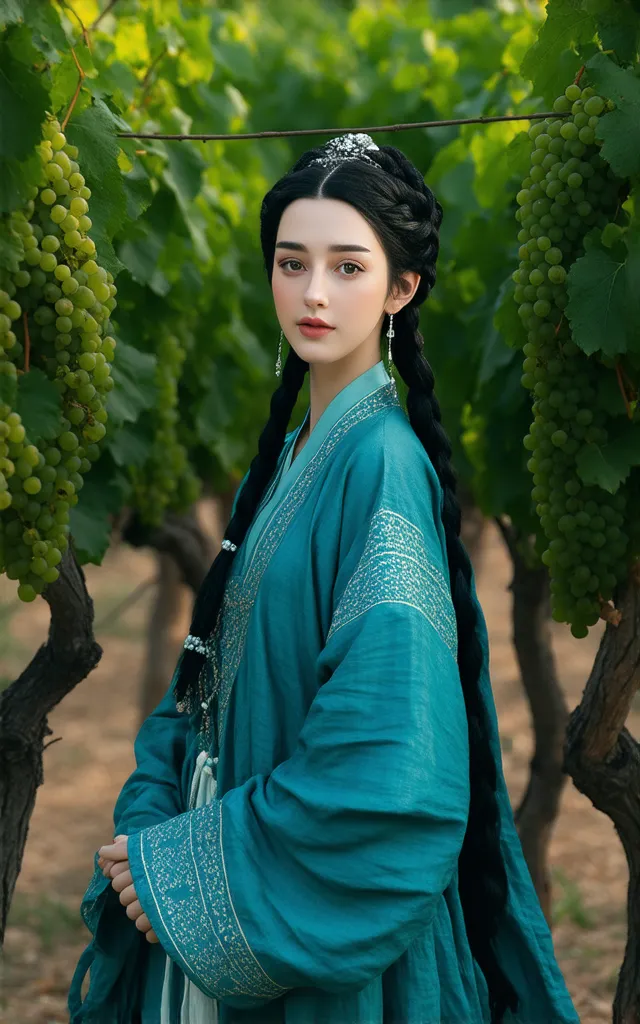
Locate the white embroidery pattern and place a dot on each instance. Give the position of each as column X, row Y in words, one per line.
column 226, row 644
column 183, row 861
column 395, row 567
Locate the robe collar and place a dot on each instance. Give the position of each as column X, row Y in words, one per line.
column 357, row 389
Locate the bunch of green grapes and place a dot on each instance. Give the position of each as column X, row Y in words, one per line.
column 570, row 190
column 166, row 481
column 58, row 303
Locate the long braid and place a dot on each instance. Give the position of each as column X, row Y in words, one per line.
column 482, row 876
column 209, row 599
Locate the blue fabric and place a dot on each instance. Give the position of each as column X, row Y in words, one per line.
column 321, row 883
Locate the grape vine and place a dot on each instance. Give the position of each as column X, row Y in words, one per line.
column 54, row 316
column 570, row 198
column 166, row 481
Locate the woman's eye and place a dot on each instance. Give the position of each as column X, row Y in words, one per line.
column 348, row 263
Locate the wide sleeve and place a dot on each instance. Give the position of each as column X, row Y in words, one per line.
column 323, row 872
column 151, row 794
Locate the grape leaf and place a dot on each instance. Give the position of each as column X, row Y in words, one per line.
column 620, row 128
column 552, row 61
column 16, row 178
column 610, row 464
column 131, row 446
column 23, row 102
column 90, row 520
column 39, row 405
column 603, row 302
column 11, row 248
column 183, row 173
column 134, row 374
column 8, row 389
column 619, row 29
column 94, row 132
column 42, row 20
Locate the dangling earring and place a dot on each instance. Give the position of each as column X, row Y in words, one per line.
column 390, row 335
column 279, row 359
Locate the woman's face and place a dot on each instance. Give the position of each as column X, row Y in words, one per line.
column 347, row 288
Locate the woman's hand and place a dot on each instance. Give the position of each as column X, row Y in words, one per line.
column 116, row 861
column 105, row 864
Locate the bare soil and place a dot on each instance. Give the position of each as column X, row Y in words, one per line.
column 86, row 767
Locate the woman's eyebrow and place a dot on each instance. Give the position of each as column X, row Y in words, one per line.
column 299, row 247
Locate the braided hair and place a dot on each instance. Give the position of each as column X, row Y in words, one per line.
column 406, row 217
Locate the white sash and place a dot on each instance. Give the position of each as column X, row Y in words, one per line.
column 196, row 1007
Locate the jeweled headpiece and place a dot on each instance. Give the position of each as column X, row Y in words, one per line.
column 352, row 146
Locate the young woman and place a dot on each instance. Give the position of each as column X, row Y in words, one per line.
column 318, row 829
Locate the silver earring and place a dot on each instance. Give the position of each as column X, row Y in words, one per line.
column 279, row 359
column 390, row 335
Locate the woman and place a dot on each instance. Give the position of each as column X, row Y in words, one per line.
column 318, row 829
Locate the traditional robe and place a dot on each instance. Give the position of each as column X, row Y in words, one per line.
column 317, row 883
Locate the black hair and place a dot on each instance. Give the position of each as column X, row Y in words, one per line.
column 392, row 196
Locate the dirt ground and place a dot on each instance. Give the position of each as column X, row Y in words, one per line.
column 84, row 770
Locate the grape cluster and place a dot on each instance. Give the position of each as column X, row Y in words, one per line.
column 54, row 315
column 570, row 191
column 166, row 481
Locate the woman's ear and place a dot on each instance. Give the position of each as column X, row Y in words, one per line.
column 408, row 287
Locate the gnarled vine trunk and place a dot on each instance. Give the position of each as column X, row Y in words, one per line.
column 603, row 760
column 69, row 654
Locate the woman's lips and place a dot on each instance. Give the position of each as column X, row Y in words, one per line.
column 314, row 332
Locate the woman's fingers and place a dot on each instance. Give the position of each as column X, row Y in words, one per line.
column 115, row 851
column 143, row 924
column 128, row 895
column 134, row 910
column 151, row 936
column 122, row 880
column 121, row 867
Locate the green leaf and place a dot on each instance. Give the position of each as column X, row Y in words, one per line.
column 506, row 318
column 137, row 189
column 183, row 173
column 552, row 61
column 140, row 256
column 94, row 133
column 8, row 389
column 131, row 446
column 620, row 128
column 603, row 306
column 11, row 248
column 12, row 11
column 16, row 177
column 609, row 397
column 619, row 29
column 23, row 102
column 609, row 465
column 39, row 405
column 215, row 410
column 42, row 20
column 135, row 388
column 90, row 519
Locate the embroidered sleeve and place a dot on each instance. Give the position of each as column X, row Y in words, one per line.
column 181, row 880
column 395, row 567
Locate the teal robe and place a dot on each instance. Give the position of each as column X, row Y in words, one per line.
column 320, row 885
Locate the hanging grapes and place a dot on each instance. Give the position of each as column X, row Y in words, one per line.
column 570, row 197
column 55, row 311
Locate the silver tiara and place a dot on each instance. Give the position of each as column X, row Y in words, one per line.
column 346, row 147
